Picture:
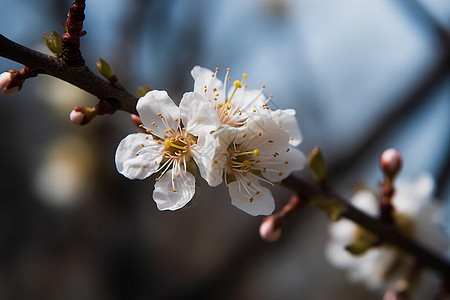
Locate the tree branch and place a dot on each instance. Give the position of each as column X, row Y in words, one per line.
column 386, row 232
column 81, row 77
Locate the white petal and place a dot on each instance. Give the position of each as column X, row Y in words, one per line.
column 338, row 256
column 197, row 114
column 366, row 201
column 203, row 77
column 262, row 204
column 343, row 231
column 208, row 159
column 287, row 121
column 165, row 196
column 262, row 133
column 154, row 103
column 142, row 165
column 279, row 167
column 248, row 101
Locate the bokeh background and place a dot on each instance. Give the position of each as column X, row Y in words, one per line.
column 362, row 75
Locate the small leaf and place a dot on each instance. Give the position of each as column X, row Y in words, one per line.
column 364, row 242
column 105, row 69
column 53, row 42
column 316, row 164
column 330, row 206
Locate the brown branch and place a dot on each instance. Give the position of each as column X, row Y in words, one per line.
column 386, row 232
column 81, row 77
column 71, row 54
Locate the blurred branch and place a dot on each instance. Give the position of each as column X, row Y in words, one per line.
column 437, row 75
column 81, row 77
column 386, row 232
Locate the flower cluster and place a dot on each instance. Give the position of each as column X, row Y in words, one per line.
column 232, row 136
column 416, row 214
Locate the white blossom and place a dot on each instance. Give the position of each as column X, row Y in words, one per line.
column 235, row 107
column 256, row 153
column 416, row 214
column 168, row 147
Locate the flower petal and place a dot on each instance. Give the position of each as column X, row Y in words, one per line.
column 207, row 85
column 264, row 134
column 197, row 114
column 285, row 118
column 261, row 204
column 158, row 112
column 138, row 156
column 248, row 101
column 172, row 192
column 279, row 167
column 210, row 158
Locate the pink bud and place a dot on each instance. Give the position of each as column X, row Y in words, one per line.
column 391, row 162
column 396, row 295
column 76, row 117
column 271, row 229
column 81, row 115
column 136, row 120
column 5, row 81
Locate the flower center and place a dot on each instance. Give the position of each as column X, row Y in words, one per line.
column 178, row 145
column 224, row 110
column 241, row 161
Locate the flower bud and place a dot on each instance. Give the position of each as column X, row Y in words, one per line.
column 271, row 228
column 81, row 115
column 399, row 292
column 5, row 82
column 391, row 162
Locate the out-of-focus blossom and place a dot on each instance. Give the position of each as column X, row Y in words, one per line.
column 416, row 214
column 65, row 176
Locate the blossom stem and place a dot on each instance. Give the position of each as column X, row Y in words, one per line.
column 386, row 232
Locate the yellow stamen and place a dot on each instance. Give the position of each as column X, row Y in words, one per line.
column 168, row 143
column 254, row 152
column 237, row 84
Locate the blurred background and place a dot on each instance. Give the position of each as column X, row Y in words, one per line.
column 362, row 75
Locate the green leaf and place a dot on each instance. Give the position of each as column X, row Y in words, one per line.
column 330, row 206
column 105, row 69
column 364, row 241
column 53, row 42
column 316, row 164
